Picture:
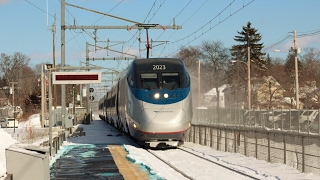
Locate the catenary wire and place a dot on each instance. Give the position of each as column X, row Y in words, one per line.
column 209, row 23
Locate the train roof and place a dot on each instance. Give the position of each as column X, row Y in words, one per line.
column 167, row 64
column 158, row 60
column 174, row 63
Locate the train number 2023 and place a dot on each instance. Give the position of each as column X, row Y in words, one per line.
column 159, row 67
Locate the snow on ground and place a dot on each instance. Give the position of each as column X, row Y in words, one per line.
column 256, row 168
column 7, row 138
column 5, row 141
column 34, row 121
column 99, row 132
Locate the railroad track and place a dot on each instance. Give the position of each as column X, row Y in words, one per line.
column 164, row 156
column 188, row 172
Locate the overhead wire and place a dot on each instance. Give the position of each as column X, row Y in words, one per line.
column 54, row 17
column 78, row 33
column 69, row 13
column 176, row 17
column 156, row 11
column 154, row 3
column 200, row 30
column 287, row 36
column 134, row 35
column 309, row 34
column 100, row 19
column 104, row 16
column 153, row 6
column 183, row 22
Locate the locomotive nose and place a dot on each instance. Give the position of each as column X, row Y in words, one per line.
column 163, row 120
column 162, row 116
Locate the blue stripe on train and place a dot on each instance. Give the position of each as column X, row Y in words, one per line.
column 174, row 95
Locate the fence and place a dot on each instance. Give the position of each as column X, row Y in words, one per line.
column 307, row 120
column 294, row 148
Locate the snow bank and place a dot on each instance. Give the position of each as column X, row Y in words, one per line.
column 5, row 141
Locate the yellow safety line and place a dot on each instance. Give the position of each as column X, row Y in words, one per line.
column 128, row 169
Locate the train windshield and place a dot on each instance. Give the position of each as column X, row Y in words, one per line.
column 170, row 80
column 149, row 81
column 167, row 80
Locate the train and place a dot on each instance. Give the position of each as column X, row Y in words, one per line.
column 151, row 102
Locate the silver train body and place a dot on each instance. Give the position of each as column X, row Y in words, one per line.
column 151, row 102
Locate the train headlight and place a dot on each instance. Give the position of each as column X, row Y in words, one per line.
column 134, row 126
column 156, row 95
column 166, row 95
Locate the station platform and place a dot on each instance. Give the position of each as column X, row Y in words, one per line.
column 96, row 154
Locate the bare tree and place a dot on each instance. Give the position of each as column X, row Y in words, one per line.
column 309, row 77
column 26, row 85
column 217, row 58
column 12, row 73
column 10, row 66
column 190, row 56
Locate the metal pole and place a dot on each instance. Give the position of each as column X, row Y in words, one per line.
column 43, row 100
column 80, row 88
column 73, row 107
column 63, row 62
column 54, row 59
column 249, row 80
column 14, row 126
column 87, row 86
column 50, row 113
column 296, row 69
column 199, row 99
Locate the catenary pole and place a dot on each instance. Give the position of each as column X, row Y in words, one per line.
column 63, row 61
column 296, row 69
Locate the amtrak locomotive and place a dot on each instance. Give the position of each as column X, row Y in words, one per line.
column 151, row 102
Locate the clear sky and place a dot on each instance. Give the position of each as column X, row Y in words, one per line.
column 26, row 26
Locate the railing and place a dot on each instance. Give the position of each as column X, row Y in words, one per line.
column 231, row 131
column 58, row 140
column 306, row 121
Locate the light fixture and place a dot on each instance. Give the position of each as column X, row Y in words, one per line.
column 156, row 95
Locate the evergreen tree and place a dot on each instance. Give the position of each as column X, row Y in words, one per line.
column 249, row 37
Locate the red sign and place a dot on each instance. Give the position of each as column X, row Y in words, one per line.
column 78, row 77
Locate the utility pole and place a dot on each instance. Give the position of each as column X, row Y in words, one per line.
column 296, row 68
column 50, row 109
column 43, row 99
column 249, row 80
column 63, row 61
column 199, row 98
column 54, row 60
